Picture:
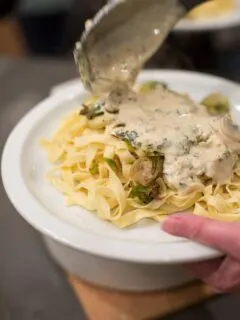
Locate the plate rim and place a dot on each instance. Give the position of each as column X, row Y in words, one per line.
column 229, row 20
column 77, row 238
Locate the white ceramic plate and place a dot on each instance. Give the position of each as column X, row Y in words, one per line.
column 24, row 165
column 231, row 19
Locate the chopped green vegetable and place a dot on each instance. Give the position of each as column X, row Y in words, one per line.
column 94, row 169
column 85, row 110
column 136, row 190
column 145, row 170
column 144, row 194
column 157, row 164
column 216, row 104
column 129, row 145
column 131, row 136
column 112, row 164
column 131, row 149
column 151, row 85
column 126, row 135
column 93, row 111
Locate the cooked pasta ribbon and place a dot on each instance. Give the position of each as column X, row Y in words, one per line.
column 92, row 169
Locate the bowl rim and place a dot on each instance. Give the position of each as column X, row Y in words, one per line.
column 76, row 238
column 229, row 19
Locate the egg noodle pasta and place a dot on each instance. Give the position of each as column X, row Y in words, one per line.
column 92, row 169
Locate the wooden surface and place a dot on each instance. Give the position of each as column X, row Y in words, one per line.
column 102, row 304
column 12, row 42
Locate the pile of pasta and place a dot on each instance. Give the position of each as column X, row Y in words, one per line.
column 212, row 9
column 91, row 168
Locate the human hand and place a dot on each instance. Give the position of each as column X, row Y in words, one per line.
column 223, row 274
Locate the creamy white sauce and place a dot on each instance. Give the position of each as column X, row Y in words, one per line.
column 194, row 144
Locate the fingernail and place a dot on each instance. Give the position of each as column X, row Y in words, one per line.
column 172, row 225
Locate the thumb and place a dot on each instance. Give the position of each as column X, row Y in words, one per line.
column 224, row 236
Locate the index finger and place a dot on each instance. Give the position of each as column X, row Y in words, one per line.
column 224, row 236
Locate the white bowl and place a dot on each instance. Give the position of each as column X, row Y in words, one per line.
column 229, row 20
column 139, row 258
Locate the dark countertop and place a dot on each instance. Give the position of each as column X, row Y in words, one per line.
column 32, row 286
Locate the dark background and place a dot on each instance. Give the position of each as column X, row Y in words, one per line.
column 32, row 286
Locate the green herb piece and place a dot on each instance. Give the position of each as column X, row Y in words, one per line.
column 127, row 136
column 93, row 111
column 131, row 136
column 151, row 85
column 136, row 190
column 216, row 104
column 131, row 149
column 85, row 110
column 96, row 111
column 144, row 194
column 112, row 164
column 157, row 164
column 94, row 169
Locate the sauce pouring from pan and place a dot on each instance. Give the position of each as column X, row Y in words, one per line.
column 122, row 36
column 113, row 49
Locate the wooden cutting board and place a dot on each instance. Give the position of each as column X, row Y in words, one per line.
column 103, row 304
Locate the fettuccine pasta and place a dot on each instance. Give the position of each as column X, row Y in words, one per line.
column 92, row 169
